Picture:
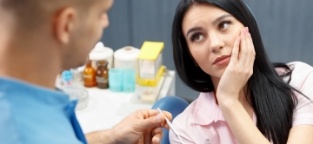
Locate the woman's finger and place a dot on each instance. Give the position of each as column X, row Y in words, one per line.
column 235, row 51
column 250, row 44
column 243, row 49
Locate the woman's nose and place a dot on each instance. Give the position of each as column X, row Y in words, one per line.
column 216, row 43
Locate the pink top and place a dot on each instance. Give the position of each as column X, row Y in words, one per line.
column 202, row 122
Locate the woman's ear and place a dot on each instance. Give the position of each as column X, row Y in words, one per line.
column 63, row 24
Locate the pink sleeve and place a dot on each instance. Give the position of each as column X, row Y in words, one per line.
column 302, row 79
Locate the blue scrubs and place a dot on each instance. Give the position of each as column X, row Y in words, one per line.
column 31, row 114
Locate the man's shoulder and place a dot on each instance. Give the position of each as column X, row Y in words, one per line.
column 34, row 124
column 8, row 132
column 34, row 115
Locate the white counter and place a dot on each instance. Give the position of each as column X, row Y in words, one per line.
column 106, row 108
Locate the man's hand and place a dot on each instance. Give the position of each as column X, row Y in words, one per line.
column 142, row 127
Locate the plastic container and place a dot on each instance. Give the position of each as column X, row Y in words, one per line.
column 126, row 58
column 150, row 63
column 122, row 80
column 77, row 93
column 115, row 80
column 100, row 52
column 129, row 80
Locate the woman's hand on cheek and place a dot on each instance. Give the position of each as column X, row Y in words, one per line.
column 239, row 69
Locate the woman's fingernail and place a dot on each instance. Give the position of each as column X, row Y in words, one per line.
column 247, row 29
column 249, row 34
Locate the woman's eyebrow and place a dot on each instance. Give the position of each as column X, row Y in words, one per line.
column 193, row 29
column 216, row 21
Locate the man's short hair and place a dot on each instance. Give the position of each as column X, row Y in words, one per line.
column 33, row 13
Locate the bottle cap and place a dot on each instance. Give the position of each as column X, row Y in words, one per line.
column 102, row 63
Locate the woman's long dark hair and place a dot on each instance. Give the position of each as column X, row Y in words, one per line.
column 272, row 99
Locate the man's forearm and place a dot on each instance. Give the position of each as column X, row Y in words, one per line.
column 101, row 137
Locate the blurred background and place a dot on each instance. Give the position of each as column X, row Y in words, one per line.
column 286, row 27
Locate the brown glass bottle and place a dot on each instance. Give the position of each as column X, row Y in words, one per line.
column 102, row 74
column 89, row 75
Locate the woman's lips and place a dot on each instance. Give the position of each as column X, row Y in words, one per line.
column 221, row 60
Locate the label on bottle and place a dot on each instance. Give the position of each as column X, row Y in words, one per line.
column 102, row 82
column 89, row 80
column 87, row 76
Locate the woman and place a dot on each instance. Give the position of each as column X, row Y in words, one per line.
column 244, row 99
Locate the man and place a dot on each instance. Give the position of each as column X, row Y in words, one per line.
column 38, row 39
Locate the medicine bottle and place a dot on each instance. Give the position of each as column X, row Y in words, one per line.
column 89, row 75
column 102, row 74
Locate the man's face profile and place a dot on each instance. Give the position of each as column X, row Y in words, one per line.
column 68, row 28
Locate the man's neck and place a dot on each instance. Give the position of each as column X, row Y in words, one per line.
column 31, row 67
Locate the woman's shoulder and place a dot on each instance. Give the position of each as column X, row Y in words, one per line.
column 299, row 65
column 302, row 74
column 189, row 115
column 302, row 80
column 191, row 107
column 186, row 122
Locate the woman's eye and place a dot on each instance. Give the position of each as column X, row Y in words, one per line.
column 197, row 37
column 224, row 25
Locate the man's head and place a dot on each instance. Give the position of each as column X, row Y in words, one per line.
column 66, row 28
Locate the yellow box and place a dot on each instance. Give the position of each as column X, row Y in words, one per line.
column 152, row 82
column 150, row 63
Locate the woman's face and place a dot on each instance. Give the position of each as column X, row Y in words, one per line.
column 210, row 33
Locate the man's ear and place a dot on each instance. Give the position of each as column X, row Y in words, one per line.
column 64, row 23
